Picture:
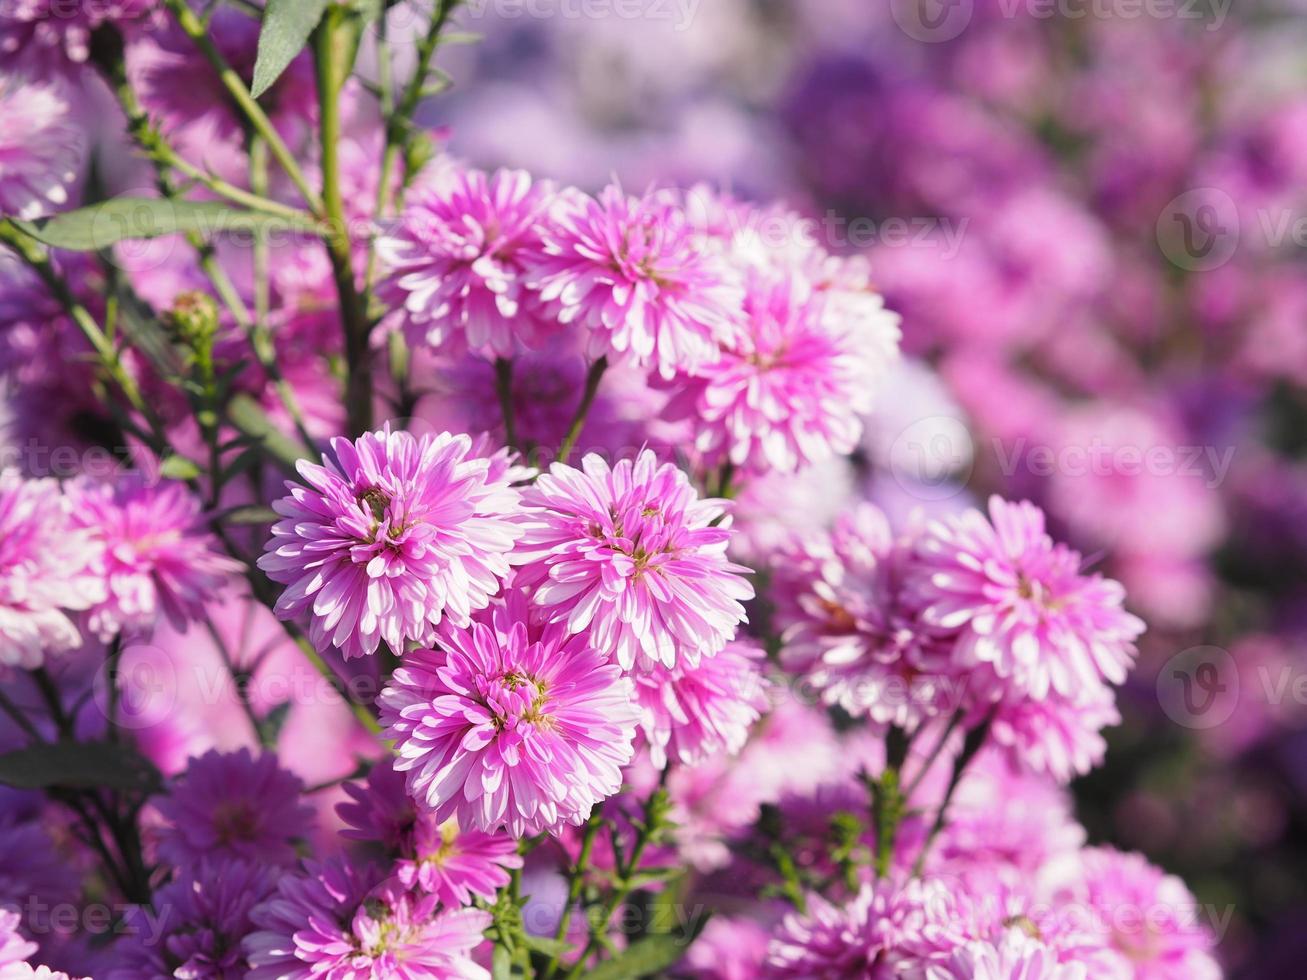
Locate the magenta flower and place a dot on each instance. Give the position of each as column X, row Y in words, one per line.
column 1149, row 917
column 41, row 150
column 379, row 811
column 634, row 272
column 500, row 732
column 631, row 556
column 1015, row 956
column 1021, row 604
column 58, row 31
column 455, row 865
column 1056, row 736
column 791, row 387
column 849, row 629
column 48, row 567
column 207, row 908
column 330, row 923
column 693, row 712
column 391, row 536
column 158, row 557
column 233, row 806
column 456, row 261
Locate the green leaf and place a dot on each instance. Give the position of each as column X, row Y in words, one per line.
column 548, row 946
column 287, row 25
column 178, row 467
column 98, row 226
column 273, row 723
column 501, row 964
column 649, row 956
column 250, row 418
column 250, row 514
column 79, row 765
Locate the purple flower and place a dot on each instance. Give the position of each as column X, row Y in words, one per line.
column 329, row 922
column 52, row 33
column 233, row 806
column 1021, row 604
column 391, row 536
column 692, row 712
column 158, row 558
column 631, row 556
column 47, row 567
column 634, row 272
column 41, row 149
column 206, row 914
column 456, row 261
column 501, row 732
column 1015, row 956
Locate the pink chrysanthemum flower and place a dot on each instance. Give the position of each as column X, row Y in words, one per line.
column 25, row 971
column 233, row 806
column 634, row 273
column 51, row 31
column 891, row 928
column 390, row 537
column 500, row 732
column 41, row 149
column 158, row 558
column 850, row 631
column 633, row 557
column 430, row 857
column 47, row 567
column 1015, row 956
column 456, row 260
column 330, row 923
column 208, row 910
column 1021, row 604
column 14, row 949
column 690, row 713
column 1147, row 916
column 1055, row 735
column 791, row 387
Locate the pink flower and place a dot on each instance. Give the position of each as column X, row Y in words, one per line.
column 1021, row 604
column 791, row 386
column 14, row 949
column 233, row 806
column 851, row 631
column 48, row 566
column 498, row 731
column 430, row 857
column 49, row 32
column 454, row 865
column 1015, row 956
column 891, row 928
column 1147, row 916
column 329, row 923
column 692, row 712
column 631, row 556
column 728, row 949
column 634, row 273
column 158, row 557
column 389, row 538
column 1055, row 735
column 456, row 261
column 41, row 149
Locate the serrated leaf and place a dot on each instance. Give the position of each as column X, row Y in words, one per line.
column 119, row 219
column 287, row 25
column 178, row 467
column 79, row 765
column 648, row 956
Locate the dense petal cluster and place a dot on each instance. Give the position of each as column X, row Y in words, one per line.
column 633, row 273
column 328, row 922
column 48, row 567
column 457, row 261
column 501, row 732
column 159, row 560
column 631, row 555
column 390, row 536
column 235, row 806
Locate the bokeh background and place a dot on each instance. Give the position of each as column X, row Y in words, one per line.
column 1092, row 215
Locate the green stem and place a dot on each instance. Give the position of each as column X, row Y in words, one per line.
column 504, row 388
column 973, row 743
column 592, row 379
column 195, row 29
column 576, row 883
